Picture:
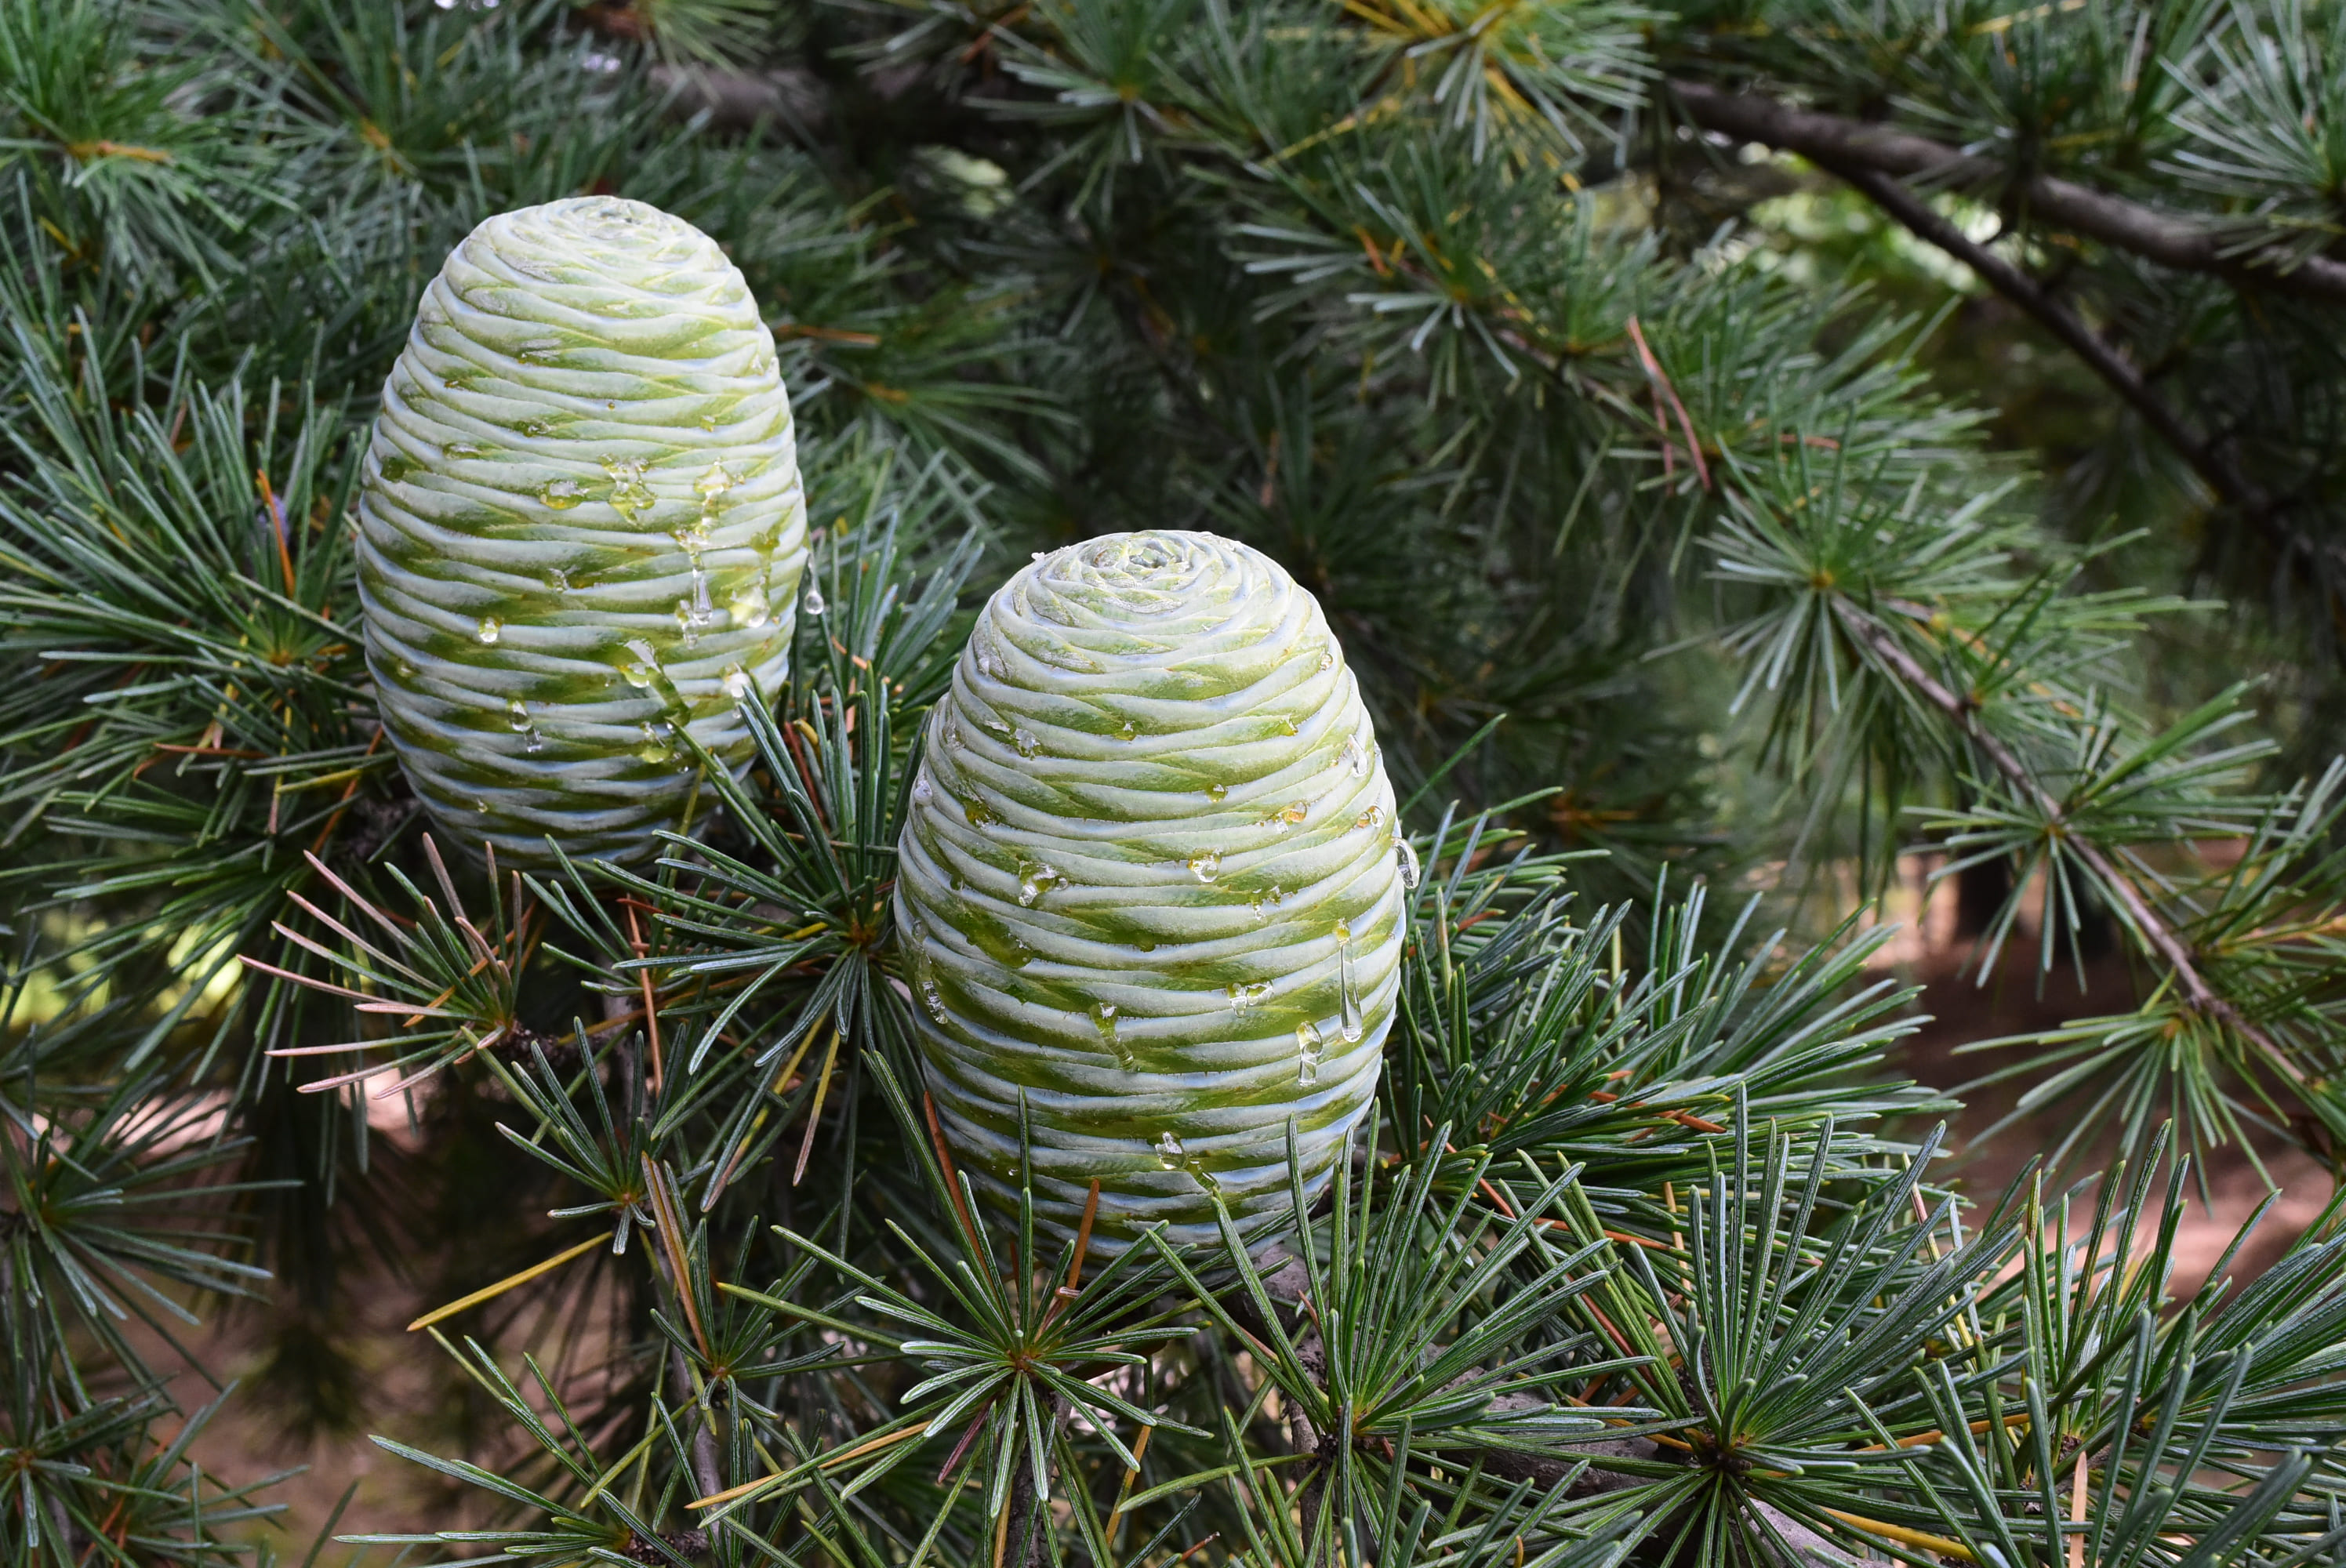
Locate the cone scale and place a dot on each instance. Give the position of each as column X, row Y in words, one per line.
column 1150, row 882
column 581, row 530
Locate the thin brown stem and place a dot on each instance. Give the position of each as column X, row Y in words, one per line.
column 2170, row 240
column 2146, row 921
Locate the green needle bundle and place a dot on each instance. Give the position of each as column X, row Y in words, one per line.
column 581, row 530
column 1152, row 887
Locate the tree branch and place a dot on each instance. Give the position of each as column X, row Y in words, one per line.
column 2146, row 921
column 2166, row 237
column 2213, row 461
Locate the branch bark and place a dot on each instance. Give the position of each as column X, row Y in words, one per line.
column 2169, row 238
column 2154, row 929
column 1871, row 160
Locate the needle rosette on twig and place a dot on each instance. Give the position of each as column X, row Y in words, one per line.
column 1152, row 886
column 581, row 530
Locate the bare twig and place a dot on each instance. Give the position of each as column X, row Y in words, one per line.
column 2153, row 929
column 2169, row 238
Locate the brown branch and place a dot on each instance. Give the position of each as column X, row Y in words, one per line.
column 2169, row 238
column 2213, row 461
column 2146, row 921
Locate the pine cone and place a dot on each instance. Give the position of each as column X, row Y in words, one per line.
column 1150, row 878
column 581, row 529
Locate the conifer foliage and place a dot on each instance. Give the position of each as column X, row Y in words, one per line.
column 1665, row 549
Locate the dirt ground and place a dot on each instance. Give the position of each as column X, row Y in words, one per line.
column 405, row 1399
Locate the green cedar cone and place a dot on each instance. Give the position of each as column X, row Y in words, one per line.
column 1151, row 881
column 581, row 529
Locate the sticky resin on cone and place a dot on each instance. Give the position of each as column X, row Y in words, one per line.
column 580, row 530
column 1151, row 878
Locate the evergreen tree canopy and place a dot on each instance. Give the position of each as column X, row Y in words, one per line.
column 1735, row 445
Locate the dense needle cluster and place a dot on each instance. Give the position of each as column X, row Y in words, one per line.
column 1583, row 362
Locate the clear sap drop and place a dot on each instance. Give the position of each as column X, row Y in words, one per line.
column 1208, row 866
column 748, row 607
column 517, row 715
column 712, row 484
column 1349, row 1021
column 562, row 495
column 1034, row 880
column 1170, row 1152
column 1308, row 1044
column 1328, row 659
column 922, row 790
column 1371, row 817
column 490, row 629
column 1245, row 993
column 737, row 682
column 1104, row 1020
column 1027, row 741
column 1405, row 856
column 1125, row 731
column 533, row 742
column 1355, row 760
column 558, row 580
column 1218, row 793
column 658, row 747
column 629, row 494
column 812, row 604
column 640, row 669
column 952, row 736
column 1288, row 816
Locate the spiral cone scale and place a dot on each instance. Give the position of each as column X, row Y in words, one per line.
column 581, row 530
column 1150, row 887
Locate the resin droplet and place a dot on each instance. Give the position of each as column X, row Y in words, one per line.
column 1170, row 1152
column 1218, row 793
column 712, row 484
column 748, row 607
column 1104, row 1020
column 1208, row 866
column 1349, row 1021
column 1308, row 1044
column 1354, row 759
column 490, row 629
column 1125, row 731
column 1034, row 880
column 516, row 713
column 1288, row 815
column 562, row 495
column 1027, row 741
column 813, row 604
column 629, row 494
column 1327, row 660
column 923, row 790
column 1370, row 818
column 1245, row 993
column 737, row 682
column 1405, row 856
column 640, row 668
column 977, row 813
column 658, row 748
column 532, row 742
